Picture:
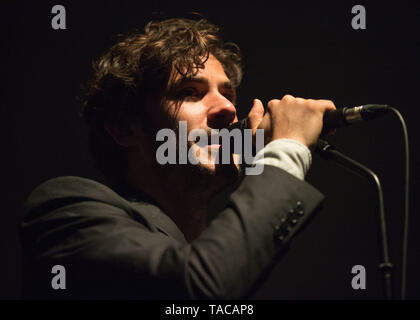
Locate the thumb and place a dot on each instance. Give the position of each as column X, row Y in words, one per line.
column 256, row 114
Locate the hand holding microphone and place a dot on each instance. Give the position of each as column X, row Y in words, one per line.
column 301, row 119
column 292, row 118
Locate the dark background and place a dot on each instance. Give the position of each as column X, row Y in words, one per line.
column 306, row 49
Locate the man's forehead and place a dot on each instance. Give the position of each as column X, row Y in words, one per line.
column 213, row 69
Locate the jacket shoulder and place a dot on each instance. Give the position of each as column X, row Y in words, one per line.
column 60, row 191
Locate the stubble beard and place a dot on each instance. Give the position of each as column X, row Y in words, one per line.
column 209, row 176
column 197, row 178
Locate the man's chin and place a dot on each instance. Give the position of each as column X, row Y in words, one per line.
column 223, row 174
column 209, row 171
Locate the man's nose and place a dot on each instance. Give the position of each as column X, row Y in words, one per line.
column 221, row 113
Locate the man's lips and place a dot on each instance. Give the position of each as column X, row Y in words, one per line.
column 214, row 146
column 213, row 140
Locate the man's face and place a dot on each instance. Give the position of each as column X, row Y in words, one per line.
column 205, row 101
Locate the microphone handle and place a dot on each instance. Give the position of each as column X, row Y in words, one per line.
column 346, row 116
column 337, row 118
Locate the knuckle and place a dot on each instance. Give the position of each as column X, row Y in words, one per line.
column 288, row 98
column 312, row 105
column 312, row 108
column 301, row 101
column 272, row 103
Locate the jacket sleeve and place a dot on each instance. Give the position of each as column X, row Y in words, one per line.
column 108, row 254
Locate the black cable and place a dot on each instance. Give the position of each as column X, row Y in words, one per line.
column 327, row 151
column 406, row 205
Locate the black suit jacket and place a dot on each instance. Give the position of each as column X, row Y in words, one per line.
column 115, row 248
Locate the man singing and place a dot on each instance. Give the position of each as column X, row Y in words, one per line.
column 149, row 234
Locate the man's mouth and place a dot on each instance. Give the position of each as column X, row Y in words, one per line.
column 214, row 141
column 214, row 146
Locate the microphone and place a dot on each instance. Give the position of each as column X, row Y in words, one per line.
column 337, row 118
column 347, row 116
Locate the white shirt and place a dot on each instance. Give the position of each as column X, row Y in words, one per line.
column 287, row 154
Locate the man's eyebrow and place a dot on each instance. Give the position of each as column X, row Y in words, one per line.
column 226, row 84
column 194, row 79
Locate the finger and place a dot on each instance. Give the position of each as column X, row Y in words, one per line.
column 327, row 104
column 256, row 114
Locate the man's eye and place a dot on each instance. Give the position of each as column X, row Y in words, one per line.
column 189, row 93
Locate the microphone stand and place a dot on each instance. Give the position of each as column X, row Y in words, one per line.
column 328, row 152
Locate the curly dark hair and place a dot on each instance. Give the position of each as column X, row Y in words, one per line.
column 139, row 66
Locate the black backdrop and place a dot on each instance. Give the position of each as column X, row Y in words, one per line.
column 307, row 49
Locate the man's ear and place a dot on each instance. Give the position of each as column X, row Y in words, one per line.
column 126, row 136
